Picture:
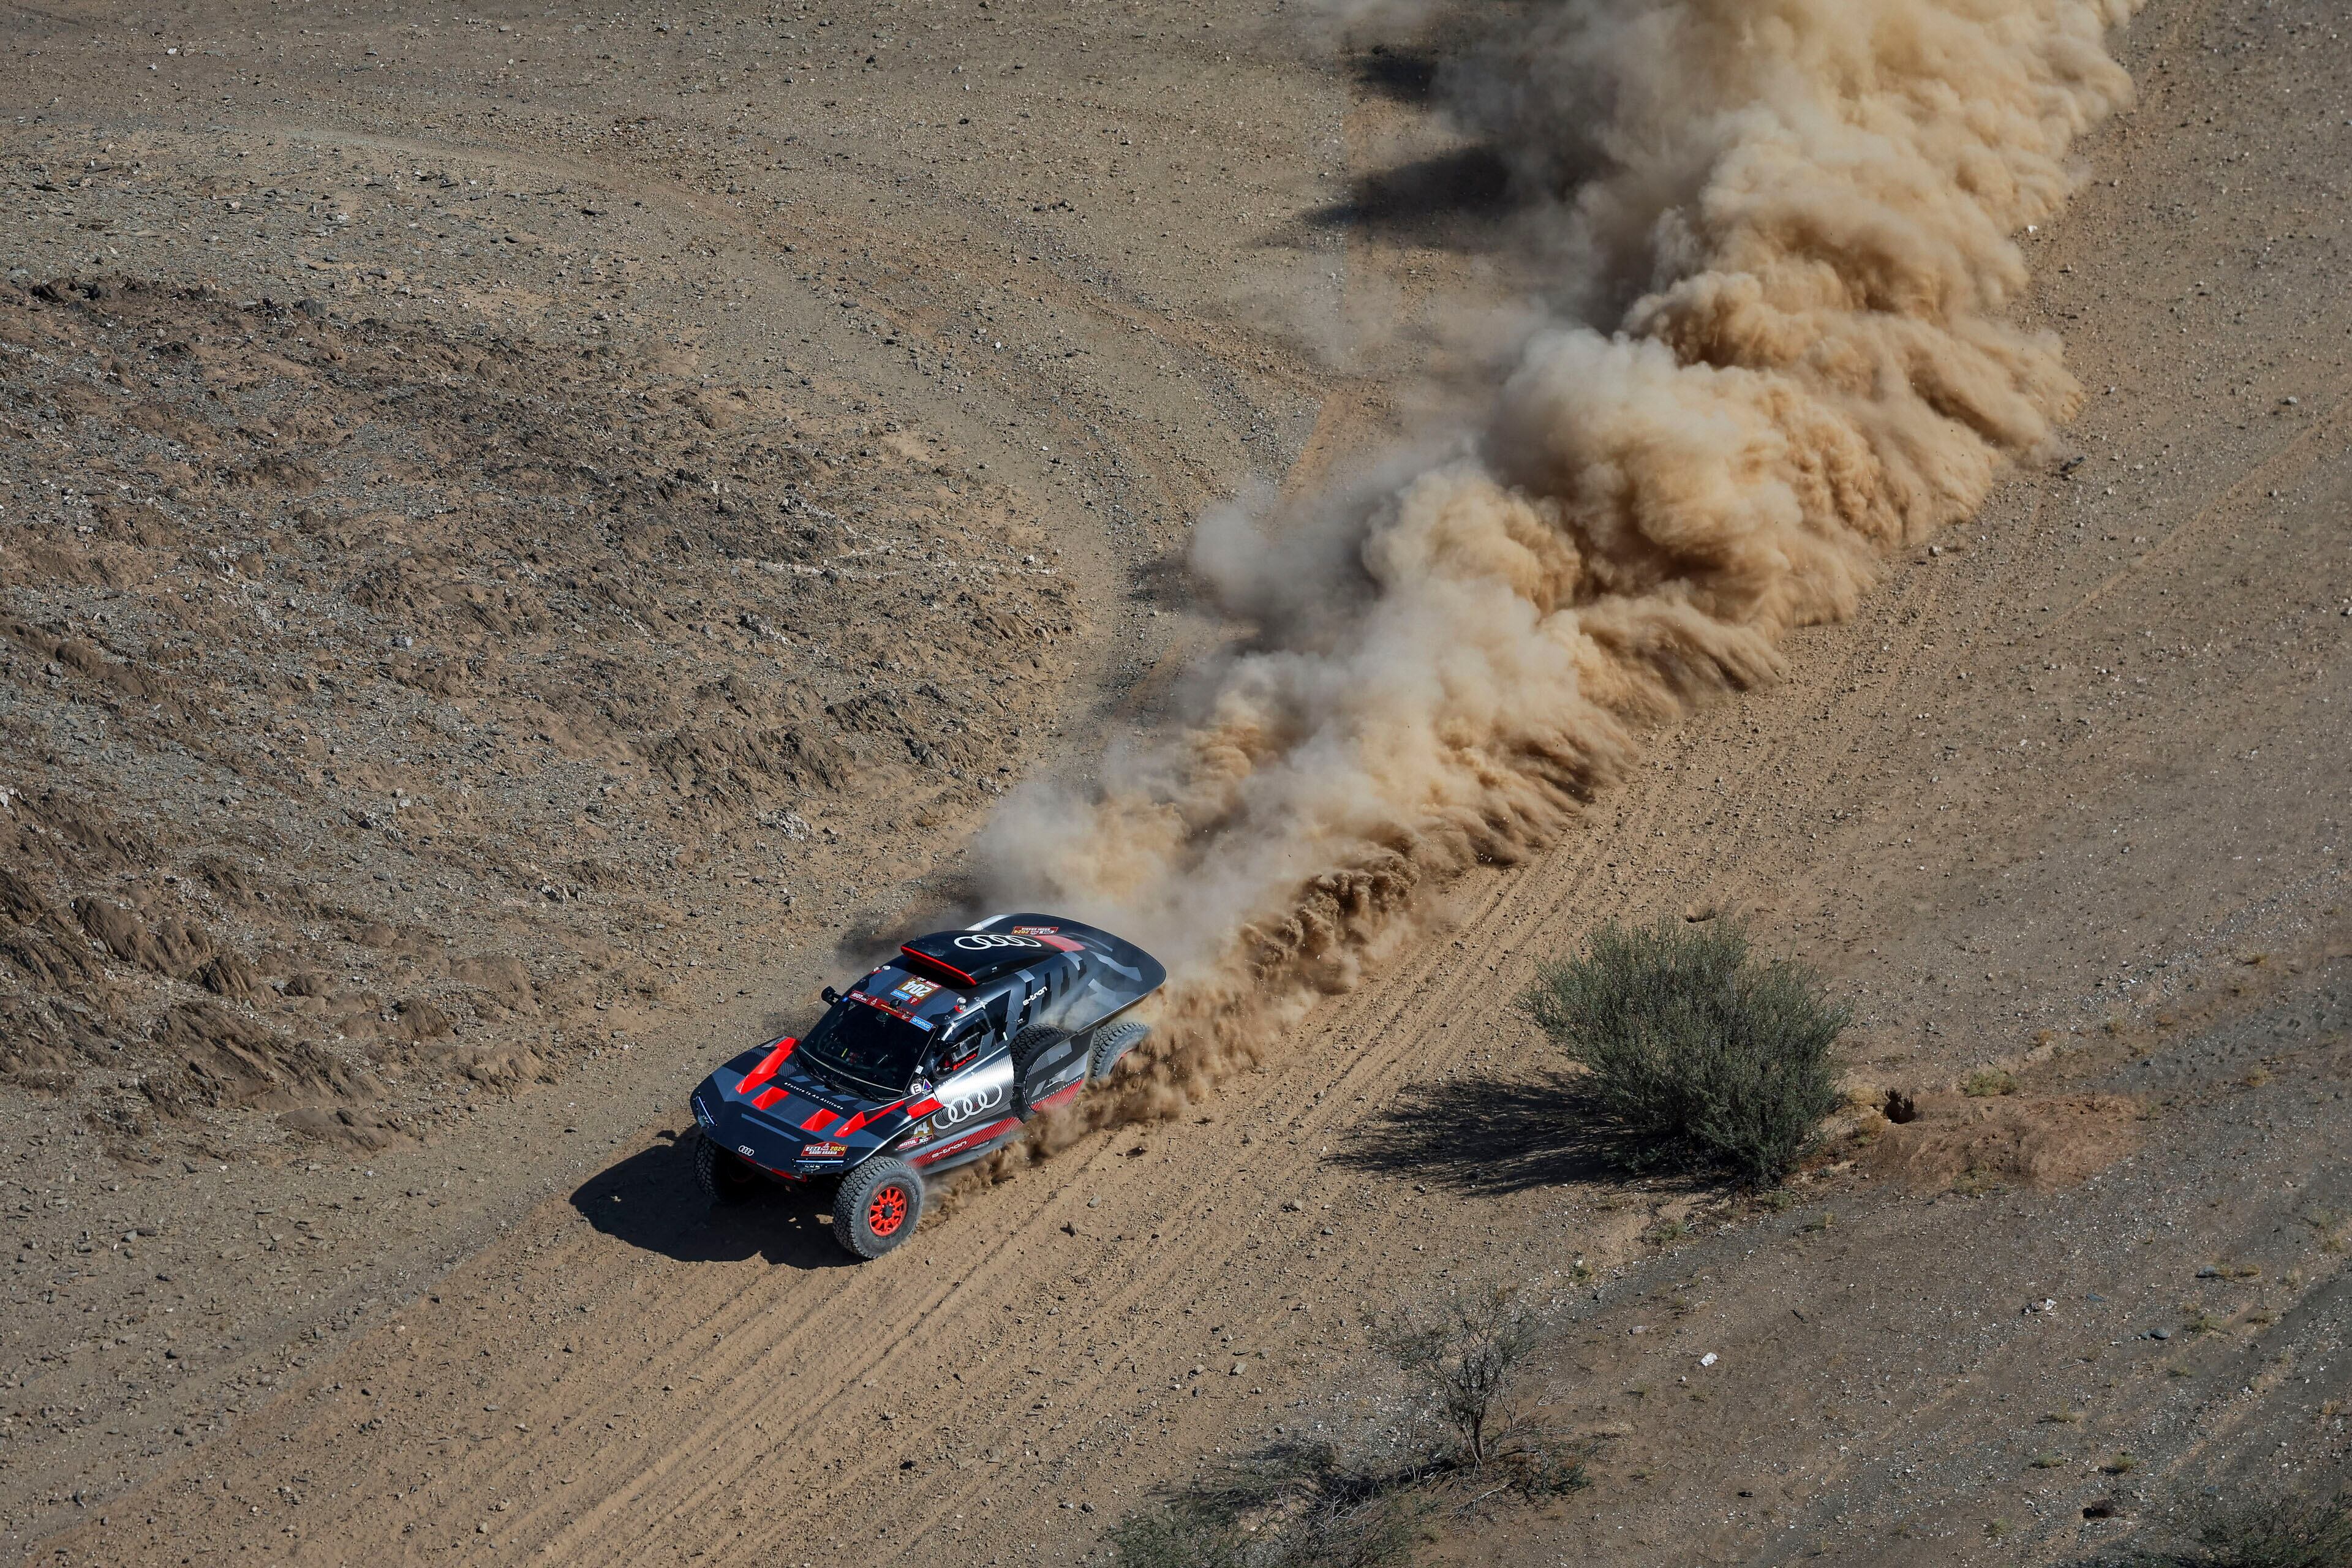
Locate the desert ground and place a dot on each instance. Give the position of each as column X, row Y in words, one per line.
column 534, row 540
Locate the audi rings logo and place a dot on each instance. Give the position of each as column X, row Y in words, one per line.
column 964, row 1107
column 981, row 941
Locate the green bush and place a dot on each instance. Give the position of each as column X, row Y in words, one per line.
column 1699, row 1052
column 1985, row 1083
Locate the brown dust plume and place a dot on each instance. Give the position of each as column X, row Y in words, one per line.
column 1776, row 350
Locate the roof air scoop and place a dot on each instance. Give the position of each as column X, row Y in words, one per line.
column 976, row 957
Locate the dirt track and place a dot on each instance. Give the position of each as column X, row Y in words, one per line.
column 2045, row 804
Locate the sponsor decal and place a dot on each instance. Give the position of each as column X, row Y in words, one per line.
column 745, row 1150
column 895, row 1011
column 963, row 1107
column 912, row 992
column 965, row 1141
column 981, row 942
column 918, row 1132
column 823, row 1151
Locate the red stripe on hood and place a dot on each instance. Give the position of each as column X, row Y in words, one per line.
column 768, row 1066
column 865, row 1117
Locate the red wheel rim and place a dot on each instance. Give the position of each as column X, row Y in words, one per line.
column 886, row 1211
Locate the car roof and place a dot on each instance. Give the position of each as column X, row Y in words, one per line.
column 974, row 958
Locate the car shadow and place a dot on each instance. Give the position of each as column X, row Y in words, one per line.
column 1491, row 1134
column 652, row 1201
column 1401, row 74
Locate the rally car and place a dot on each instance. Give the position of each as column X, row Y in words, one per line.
column 930, row 1062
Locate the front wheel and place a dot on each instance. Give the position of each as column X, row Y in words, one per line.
column 723, row 1177
column 879, row 1206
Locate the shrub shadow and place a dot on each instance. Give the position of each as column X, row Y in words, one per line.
column 1450, row 199
column 1496, row 1134
column 1166, row 581
column 652, row 1201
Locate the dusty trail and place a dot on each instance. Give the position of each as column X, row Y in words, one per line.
column 619, row 1379
column 961, row 1395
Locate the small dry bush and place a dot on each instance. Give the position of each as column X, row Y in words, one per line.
column 1700, row 1053
column 1469, row 1355
column 1304, row 1503
column 1987, row 1083
column 1295, row 1506
column 2298, row 1532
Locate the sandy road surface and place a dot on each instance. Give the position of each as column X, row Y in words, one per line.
column 921, row 285
column 2082, row 764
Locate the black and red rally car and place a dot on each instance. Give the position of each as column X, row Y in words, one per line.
column 930, row 1062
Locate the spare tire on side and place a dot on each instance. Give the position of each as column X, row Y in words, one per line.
column 877, row 1206
column 722, row 1176
column 1040, row 1055
column 1112, row 1044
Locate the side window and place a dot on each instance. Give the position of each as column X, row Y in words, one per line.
column 960, row 1049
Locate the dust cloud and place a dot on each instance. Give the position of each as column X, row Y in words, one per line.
column 1778, row 236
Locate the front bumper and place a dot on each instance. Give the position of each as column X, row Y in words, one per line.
column 762, row 1140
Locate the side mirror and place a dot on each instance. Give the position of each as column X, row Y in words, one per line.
column 828, row 994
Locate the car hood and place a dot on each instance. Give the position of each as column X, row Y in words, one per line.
column 789, row 1119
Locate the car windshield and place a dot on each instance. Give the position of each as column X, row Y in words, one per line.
column 861, row 1041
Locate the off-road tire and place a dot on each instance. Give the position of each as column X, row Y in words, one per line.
column 1032, row 1043
column 877, row 1205
column 1028, row 1046
column 722, row 1176
column 1112, row 1044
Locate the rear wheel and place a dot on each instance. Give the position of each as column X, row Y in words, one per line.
column 879, row 1206
column 1114, row 1043
column 722, row 1174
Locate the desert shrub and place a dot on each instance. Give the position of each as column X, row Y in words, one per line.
column 1985, row 1083
column 1467, row 1356
column 1173, row 1537
column 1698, row 1051
column 2298, row 1532
column 1294, row 1505
column 1361, row 1502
